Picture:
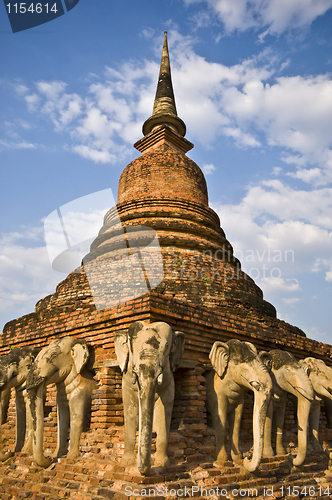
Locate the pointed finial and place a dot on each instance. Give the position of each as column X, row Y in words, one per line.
column 164, row 108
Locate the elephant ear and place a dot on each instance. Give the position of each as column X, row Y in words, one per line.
column 121, row 350
column 134, row 329
column 176, row 350
column 80, row 354
column 252, row 347
column 266, row 358
column 219, row 357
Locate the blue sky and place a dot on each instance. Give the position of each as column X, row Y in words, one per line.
column 253, row 83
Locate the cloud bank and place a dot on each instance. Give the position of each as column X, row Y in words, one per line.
column 251, row 103
column 274, row 16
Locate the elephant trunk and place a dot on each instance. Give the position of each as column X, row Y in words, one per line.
column 303, row 409
column 146, row 407
column 261, row 404
column 36, row 401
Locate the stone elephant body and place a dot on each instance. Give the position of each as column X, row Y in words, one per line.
column 14, row 369
column 320, row 376
column 148, row 354
column 237, row 369
column 61, row 363
column 288, row 376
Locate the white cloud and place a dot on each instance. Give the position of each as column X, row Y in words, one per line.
column 97, row 156
column 51, row 90
column 25, row 272
column 280, row 233
column 276, row 16
column 16, row 145
column 272, row 197
column 248, row 102
column 290, row 301
column 316, row 332
column 208, row 169
column 32, row 101
column 294, row 113
column 241, row 138
column 274, row 285
column 13, row 130
column 321, row 264
column 21, row 89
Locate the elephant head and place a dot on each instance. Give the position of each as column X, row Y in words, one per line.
column 239, row 368
column 61, row 362
column 320, row 376
column 147, row 355
column 288, row 376
column 14, row 368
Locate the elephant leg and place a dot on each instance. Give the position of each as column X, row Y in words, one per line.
column 303, row 411
column 279, row 419
column 78, row 404
column 314, row 426
column 328, row 408
column 162, row 422
column 20, row 421
column 268, row 450
column 4, row 404
column 219, row 425
column 27, row 448
column 130, row 408
column 36, row 401
column 235, row 419
column 63, row 419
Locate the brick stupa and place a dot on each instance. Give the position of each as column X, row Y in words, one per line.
column 203, row 293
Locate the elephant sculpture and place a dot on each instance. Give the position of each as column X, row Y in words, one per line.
column 148, row 354
column 320, row 376
column 61, row 363
column 14, row 368
column 288, row 376
column 237, row 369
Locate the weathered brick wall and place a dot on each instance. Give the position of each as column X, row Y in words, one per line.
column 202, row 326
column 192, row 435
column 162, row 175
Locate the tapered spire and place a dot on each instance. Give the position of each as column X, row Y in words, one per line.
column 164, row 108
